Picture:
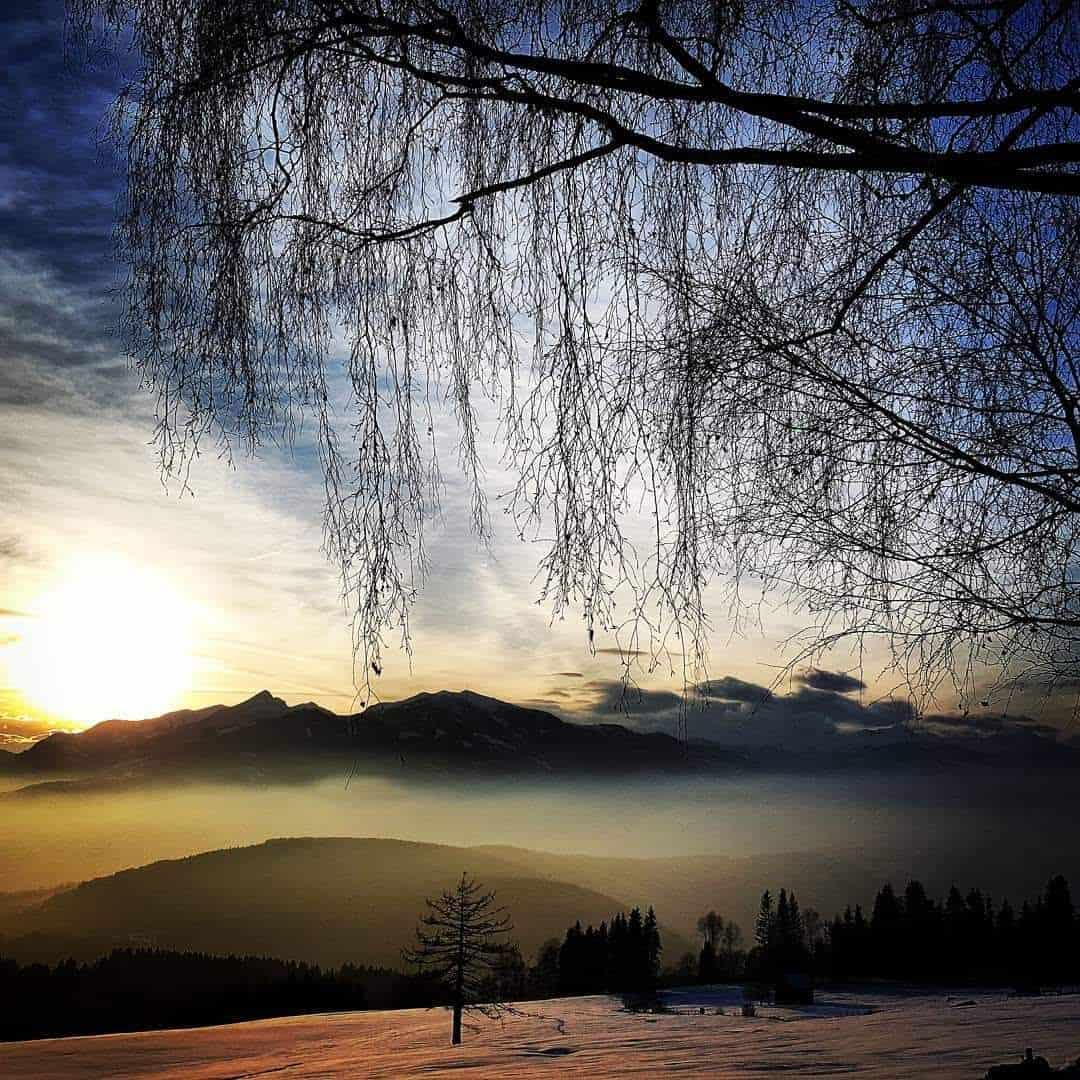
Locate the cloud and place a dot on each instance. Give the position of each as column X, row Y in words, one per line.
column 13, row 550
column 891, row 711
column 608, row 698
column 824, row 726
column 838, row 682
column 973, row 725
column 567, row 675
column 731, row 689
column 18, row 731
column 621, row 652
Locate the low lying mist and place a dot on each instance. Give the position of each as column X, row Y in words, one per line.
column 987, row 827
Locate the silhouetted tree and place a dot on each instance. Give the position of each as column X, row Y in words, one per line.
column 710, row 927
column 963, row 938
column 885, row 920
column 1055, row 931
column 622, row 958
column 461, row 942
column 136, row 989
column 731, row 937
column 780, row 936
column 572, row 961
column 544, row 974
column 764, row 924
column 822, row 311
column 706, row 964
column 652, row 948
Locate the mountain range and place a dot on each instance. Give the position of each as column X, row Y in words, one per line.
column 436, row 733
column 447, row 734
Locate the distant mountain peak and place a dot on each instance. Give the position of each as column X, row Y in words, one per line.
column 263, row 697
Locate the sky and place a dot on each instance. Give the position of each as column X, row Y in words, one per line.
column 171, row 597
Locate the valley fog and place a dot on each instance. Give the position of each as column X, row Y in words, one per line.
column 935, row 826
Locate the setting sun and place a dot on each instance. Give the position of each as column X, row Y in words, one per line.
column 110, row 640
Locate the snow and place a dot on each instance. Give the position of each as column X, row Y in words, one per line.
column 875, row 1034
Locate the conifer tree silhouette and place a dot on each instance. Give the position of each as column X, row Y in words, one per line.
column 461, row 942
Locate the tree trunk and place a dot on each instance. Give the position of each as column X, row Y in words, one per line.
column 455, row 1038
column 459, row 978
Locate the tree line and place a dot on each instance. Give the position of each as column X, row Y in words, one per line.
column 910, row 935
column 143, row 989
column 138, row 989
column 620, row 956
column 964, row 937
column 961, row 938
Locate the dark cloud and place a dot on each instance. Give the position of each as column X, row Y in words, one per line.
column 58, row 184
column 891, row 711
column 981, row 725
column 612, row 696
column 620, row 652
column 822, row 725
column 731, row 689
column 838, row 682
column 567, row 675
column 59, row 188
column 562, row 693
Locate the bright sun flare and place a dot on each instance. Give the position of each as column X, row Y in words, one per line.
column 110, row 640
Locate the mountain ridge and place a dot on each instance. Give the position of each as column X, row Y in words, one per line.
column 449, row 734
column 442, row 731
column 322, row 899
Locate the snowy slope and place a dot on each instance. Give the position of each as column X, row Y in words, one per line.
column 904, row 1037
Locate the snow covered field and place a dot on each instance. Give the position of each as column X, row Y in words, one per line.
column 864, row 1035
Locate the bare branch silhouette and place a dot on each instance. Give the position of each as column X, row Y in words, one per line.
column 798, row 277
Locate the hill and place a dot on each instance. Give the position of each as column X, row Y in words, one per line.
column 329, row 901
column 356, row 900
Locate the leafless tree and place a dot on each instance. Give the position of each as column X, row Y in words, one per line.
column 799, row 277
column 461, row 942
column 710, row 927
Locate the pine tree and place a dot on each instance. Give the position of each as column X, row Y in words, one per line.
column 764, row 924
column 636, row 951
column 617, row 949
column 781, row 936
column 461, row 943
column 797, row 931
column 572, row 961
column 653, row 948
